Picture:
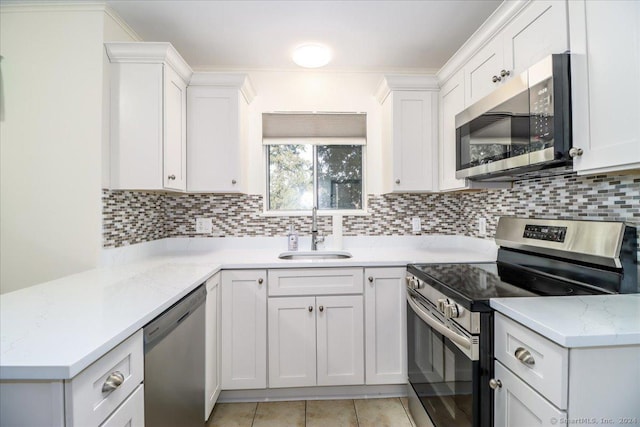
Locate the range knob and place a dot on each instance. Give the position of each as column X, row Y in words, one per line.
column 452, row 311
column 442, row 303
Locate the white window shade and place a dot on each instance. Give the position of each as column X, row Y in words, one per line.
column 314, row 128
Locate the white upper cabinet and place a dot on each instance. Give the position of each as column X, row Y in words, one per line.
column 409, row 133
column 539, row 30
column 536, row 31
column 482, row 71
column 148, row 116
column 451, row 103
column 217, row 132
column 605, row 74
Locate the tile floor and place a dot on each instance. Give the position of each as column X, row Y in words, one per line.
column 391, row 412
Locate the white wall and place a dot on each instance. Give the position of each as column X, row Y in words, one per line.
column 51, row 142
column 314, row 91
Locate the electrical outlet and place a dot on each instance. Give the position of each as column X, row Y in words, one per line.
column 204, row 225
column 416, row 225
column 482, row 227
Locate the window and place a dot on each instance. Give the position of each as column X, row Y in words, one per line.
column 314, row 160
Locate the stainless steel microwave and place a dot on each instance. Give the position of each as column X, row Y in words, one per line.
column 523, row 126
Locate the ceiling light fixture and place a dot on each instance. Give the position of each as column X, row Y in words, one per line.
column 311, row 55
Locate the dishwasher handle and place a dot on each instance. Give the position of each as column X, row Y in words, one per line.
column 162, row 325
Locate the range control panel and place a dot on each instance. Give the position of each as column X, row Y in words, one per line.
column 545, row 232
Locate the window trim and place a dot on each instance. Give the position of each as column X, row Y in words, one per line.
column 307, row 212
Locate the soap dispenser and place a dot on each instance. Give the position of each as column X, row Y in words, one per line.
column 292, row 239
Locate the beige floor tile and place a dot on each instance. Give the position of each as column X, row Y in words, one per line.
column 280, row 414
column 381, row 413
column 232, row 415
column 334, row 413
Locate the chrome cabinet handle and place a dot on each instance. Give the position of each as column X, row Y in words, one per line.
column 171, row 177
column 113, row 381
column 495, row 384
column 575, row 152
column 496, row 79
column 321, row 308
column 310, row 308
column 260, row 280
column 524, row 356
column 370, row 279
column 397, row 181
column 233, row 181
column 505, row 73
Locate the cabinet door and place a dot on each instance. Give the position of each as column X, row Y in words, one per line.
column 517, row 404
column 340, row 337
column 175, row 130
column 414, row 132
column 451, row 103
column 292, row 342
column 539, row 30
column 385, row 320
column 212, row 344
column 136, row 126
column 481, row 69
column 605, row 75
column 244, row 329
column 130, row 413
column 214, row 139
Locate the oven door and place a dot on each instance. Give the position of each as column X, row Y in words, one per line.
column 443, row 375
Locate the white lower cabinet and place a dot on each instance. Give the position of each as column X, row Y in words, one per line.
column 108, row 393
column 540, row 383
column 130, row 413
column 316, row 341
column 517, row 404
column 244, row 329
column 213, row 334
column 292, row 341
column 340, row 334
column 385, row 325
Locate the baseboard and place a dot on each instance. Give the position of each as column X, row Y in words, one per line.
column 314, row 393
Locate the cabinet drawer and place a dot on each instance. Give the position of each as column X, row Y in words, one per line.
column 315, row 281
column 548, row 372
column 85, row 402
column 130, row 413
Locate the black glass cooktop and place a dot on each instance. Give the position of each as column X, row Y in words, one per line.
column 472, row 285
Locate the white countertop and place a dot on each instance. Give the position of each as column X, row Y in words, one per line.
column 56, row 329
column 578, row 321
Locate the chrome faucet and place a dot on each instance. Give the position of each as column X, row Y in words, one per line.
column 315, row 239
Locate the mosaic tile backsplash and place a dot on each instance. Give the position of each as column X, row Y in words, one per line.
column 134, row 217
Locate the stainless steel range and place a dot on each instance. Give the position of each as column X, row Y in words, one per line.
column 450, row 322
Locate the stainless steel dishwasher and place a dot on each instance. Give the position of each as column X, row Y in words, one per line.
column 174, row 362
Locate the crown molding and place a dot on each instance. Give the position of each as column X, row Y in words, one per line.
column 392, row 82
column 238, row 81
column 122, row 23
column 8, row 6
column 149, row 53
column 487, row 31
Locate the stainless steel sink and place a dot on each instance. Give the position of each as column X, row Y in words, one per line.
column 311, row 255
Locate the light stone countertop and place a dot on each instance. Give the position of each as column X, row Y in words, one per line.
column 56, row 329
column 578, row 321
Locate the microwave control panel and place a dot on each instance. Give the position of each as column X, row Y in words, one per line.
column 541, row 111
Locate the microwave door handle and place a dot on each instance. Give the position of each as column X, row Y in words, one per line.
column 439, row 327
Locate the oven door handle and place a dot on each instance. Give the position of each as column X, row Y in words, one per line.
column 438, row 326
